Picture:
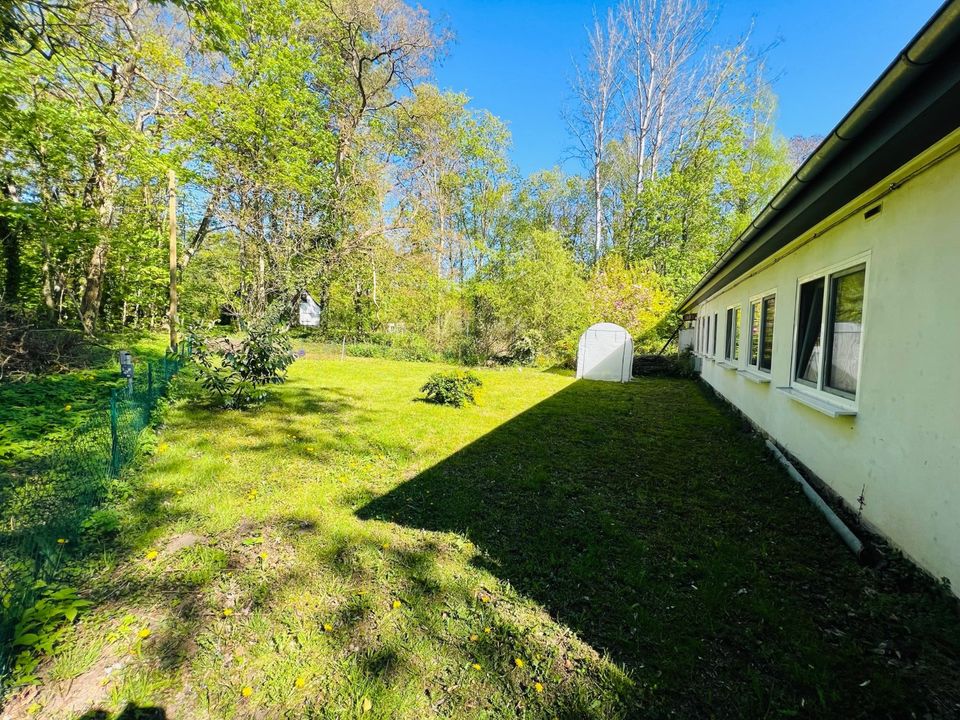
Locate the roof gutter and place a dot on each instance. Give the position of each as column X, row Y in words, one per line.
column 927, row 45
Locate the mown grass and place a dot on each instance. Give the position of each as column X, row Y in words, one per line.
column 564, row 550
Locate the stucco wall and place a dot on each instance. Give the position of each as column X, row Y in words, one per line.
column 903, row 446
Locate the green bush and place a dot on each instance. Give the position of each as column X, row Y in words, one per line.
column 454, row 387
column 236, row 371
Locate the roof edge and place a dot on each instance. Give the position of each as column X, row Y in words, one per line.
column 930, row 42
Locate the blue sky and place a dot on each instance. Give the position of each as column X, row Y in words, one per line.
column 515, row 58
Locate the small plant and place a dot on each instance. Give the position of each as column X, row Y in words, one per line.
column 237, row 371
column 455, row 387
column 41, row 627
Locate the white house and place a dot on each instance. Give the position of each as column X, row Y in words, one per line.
column 833, row 321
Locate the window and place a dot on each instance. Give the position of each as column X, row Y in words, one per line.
column 706, row 338
column 766, row 333
column 829, row 331
column 762, row 315
column 754, row 332
column 731, row 350
column 716, row 327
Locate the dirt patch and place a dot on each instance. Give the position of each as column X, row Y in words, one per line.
column 183, row 540
column 67, row 698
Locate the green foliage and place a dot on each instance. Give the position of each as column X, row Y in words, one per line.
column 41, row 627
column 452, row 387
column 237, row 371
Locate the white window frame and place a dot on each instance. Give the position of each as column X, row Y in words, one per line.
column 821, row 392
column 759, row 299
column 738, row 361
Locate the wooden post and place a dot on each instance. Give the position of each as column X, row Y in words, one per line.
column 172, row 228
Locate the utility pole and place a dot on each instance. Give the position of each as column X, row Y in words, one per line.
column 172, row 228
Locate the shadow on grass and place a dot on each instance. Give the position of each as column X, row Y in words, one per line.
column 649, row 521
column 131, row 712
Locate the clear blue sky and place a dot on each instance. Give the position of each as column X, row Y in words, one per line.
column 515, row 58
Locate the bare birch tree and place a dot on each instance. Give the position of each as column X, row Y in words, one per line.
column 597, row 87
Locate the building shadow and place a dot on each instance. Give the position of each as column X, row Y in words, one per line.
column 651, row 522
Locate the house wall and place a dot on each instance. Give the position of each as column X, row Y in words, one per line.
column 902, row 449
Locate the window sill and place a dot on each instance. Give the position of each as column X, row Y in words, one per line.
column 726, row 365
column 754, row 377
column 824, row 406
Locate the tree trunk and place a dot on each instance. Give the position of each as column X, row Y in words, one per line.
column 172, row 228
column 10, row 240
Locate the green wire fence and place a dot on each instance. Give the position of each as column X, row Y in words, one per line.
column 43, row 505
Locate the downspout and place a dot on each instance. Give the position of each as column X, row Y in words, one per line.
column 849, row 539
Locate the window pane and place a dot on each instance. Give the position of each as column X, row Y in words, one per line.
column 809, row 321
column 736, row 325
column 754, row 332
column 728, row 338
column 766, row 352
column 716, row 327
column 844, row 328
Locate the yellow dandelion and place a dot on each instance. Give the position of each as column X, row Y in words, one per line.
column 227, row 612
column 179, row 492
column 484, row 598
column 152, row 555
column 162, row 448
column 34, row 709
column 61, row 541
column 486, row 630
column 144, row 633
column 474, row 637
column 300, row 681
column 476, row 666
column 67, row 407
column 247, row 691
column 367, row 704
column 262, row 556
column 309, row 449
column 396, row 604
column 386, row 546
column 538, row 687
column 518, row 662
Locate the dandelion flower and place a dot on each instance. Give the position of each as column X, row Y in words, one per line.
column 144, row 633
column 518, row 662
column 300, row 681
column 396, row 604
column 67, row 407
column 367, row 704
column 247, row 691
column 484, row 598
column 538, row 687
column 474, row 637
column 227, row 612
column 61, row 541
column 486, row 630
column 476, row 666
column 263, row 556
column 327, row 627
column 152, row 555
column 386, row 546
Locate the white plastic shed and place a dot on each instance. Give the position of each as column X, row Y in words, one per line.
column 605, row 352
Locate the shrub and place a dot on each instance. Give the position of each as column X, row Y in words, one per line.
column 455, row 387
column 237, row 370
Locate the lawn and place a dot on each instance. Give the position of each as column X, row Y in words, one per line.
column 564, row 550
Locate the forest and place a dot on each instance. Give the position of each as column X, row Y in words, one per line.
column 250, row 152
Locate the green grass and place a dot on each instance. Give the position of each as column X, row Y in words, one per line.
column 41, row 411
column 379, row 557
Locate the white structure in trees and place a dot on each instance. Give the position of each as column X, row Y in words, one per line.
column 605, row 352
column 309, row 311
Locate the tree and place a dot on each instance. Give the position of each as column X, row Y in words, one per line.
column 597, row 97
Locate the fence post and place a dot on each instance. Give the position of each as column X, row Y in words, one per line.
column 114, row 435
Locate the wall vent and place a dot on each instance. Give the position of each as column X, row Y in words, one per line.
column 872, row 212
